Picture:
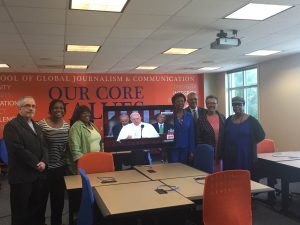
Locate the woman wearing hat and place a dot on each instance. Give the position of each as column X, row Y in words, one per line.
column 242, row 133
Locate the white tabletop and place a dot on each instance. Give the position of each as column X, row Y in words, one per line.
column 136, row 197
column 294, row 163
column 193, row 190
column 280, row 156
column 96, row 179
column 169, row 170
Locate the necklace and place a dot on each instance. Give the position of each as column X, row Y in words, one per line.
column 238, row 121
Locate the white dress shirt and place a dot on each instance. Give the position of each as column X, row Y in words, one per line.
column 136, row 131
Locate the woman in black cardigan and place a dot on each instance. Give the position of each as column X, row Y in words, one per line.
column 210, row 129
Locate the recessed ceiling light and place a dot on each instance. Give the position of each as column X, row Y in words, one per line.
column 263, row 52
column 76, row 66
column 209, row 68
column 4, row 66
column 146, row 68
column 180, row 51
column 83, row 48
column 99, row 5
column 254, row 11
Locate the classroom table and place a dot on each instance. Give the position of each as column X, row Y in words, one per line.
column 96, row 179
column 282, row 165
column 124, row 199
column 169, row 170
column 280, row 156
column 193, row 189
column 74, row 184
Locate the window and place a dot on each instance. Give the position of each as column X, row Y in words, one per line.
column 243, row 83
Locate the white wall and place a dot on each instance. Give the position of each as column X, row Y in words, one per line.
column 279, row 99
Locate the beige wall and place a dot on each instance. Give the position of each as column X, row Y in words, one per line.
column 279, row 99
column 214, row 84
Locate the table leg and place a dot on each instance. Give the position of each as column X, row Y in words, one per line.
column 285, row 194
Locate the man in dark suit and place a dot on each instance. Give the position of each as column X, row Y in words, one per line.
column 124, row 120
column 193, row 108
column 161, row 126
column 27, row 156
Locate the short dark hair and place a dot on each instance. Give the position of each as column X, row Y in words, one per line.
column 211, row 96
column 53, row 102
column 178, row 95
column 78, row 112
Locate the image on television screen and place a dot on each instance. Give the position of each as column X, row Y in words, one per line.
column 154, row 127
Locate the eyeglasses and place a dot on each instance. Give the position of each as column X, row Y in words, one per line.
column 237, row 104
column 27, row 106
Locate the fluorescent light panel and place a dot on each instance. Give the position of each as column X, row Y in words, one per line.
column 209, row 68
column 76, row 66
column 99, row 5
column 254, row 11
column 4, row 66
column 146, row 67
column 263, row 52
column 83, row 48
column 180, row 51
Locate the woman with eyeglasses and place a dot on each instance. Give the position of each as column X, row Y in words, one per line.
column 242, row 133
column 84, row 137
column 210, row 129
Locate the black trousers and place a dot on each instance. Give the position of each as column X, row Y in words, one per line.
column 26, row 201
column 56, row 189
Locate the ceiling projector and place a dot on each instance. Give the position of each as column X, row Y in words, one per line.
column 224, row 42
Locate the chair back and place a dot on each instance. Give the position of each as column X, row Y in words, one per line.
column 204, row 158
column 3, row 152
column 266, row 146
column 96, row 162
column 86, row 210
column 227, row 198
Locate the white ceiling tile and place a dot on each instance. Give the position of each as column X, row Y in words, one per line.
column 56, row 4
column 155, row 7
column 95, row 30
column 41, row 29
column 8, row 28
column 32, row 15
column 10, row 38
column 84, row 39
column 136, row 21
column 130, row 33
column 4, row 17
column 43, row 39
column 78, row 58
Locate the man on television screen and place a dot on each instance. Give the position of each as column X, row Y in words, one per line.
column 124, row 120
column 137, row 129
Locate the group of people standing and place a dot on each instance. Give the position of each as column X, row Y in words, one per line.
column 39, row 153
column 234, row 139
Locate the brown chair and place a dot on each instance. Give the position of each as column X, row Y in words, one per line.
column 227, row 198
column 96, row 162
column 266, row 146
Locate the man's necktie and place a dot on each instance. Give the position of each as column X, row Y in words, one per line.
column 161, row 129
column 195, row 115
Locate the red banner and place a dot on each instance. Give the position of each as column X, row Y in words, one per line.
column 93, row 90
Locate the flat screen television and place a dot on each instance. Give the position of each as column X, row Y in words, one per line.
column 149, row 114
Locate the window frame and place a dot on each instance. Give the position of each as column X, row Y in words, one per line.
column 244, row 88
